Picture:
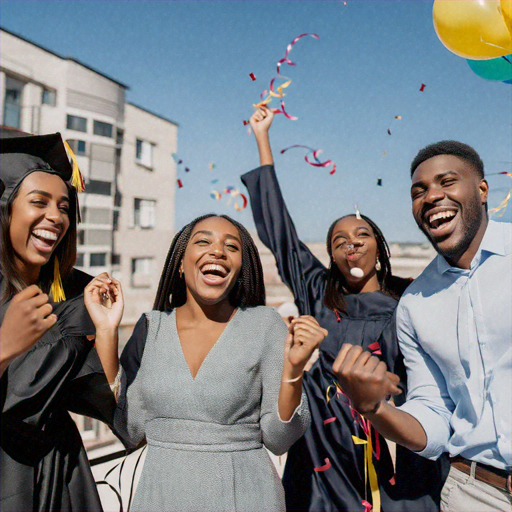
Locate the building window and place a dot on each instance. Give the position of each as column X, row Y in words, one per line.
column 144, row 152
column 49, row 97
column 141, row 272
column 98, row 187
column 79, row 260
column 81, row 237
column 78, row 124
column 79, row 147
column 98, row 259
column 12, row 102
column 116, row 259
column 144, row 213
column 103, row 129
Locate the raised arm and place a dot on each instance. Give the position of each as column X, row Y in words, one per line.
column 298, row 268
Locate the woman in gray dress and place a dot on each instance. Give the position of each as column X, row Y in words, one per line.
column 211, row 376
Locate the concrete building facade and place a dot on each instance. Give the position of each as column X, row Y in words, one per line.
column 124, row 153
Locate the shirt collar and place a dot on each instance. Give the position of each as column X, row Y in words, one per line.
column 494, row 242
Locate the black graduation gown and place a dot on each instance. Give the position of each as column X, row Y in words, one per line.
column 44, row 466
column 368, row 318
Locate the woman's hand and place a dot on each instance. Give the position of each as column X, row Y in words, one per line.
column 27, row 318
column 305, row 335
column 103, row 298
column 261, row 120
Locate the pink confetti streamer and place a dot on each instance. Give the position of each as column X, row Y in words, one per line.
column 315, row 153
column 325, row 467
column 285, row 59
column 329, row 420
column 367, row 506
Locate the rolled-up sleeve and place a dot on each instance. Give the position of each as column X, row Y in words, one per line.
column 278, row 435
column 427, row 397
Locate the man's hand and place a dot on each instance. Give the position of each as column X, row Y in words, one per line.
column 364, row 378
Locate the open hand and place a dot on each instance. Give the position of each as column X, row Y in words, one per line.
column 364, row 378
column 27, row 318
column 305, row 335
column 103, row 299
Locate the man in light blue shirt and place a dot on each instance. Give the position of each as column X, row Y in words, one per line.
column 455, row 332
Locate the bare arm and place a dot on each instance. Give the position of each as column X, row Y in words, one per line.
column 305, row 335
column 367, row 383
column 261, row 121
column 104, row 301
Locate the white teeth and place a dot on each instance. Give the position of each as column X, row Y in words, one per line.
column 43, row 233
column 441, row 215
column 212, row 267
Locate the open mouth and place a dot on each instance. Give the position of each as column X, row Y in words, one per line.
column 44, row 240
column 214, row 273
column 440, row 222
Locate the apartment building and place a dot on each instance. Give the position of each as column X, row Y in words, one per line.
column 125, row 154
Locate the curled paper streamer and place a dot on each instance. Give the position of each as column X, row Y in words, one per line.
column 314, row 153
column 325, row 467
column 503, row 205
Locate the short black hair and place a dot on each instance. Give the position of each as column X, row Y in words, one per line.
column 336, row 284
column 249, row 290
column 450, row 147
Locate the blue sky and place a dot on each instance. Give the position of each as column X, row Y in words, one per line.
column 190, row 61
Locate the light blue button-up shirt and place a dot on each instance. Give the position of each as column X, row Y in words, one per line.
column 455, row 332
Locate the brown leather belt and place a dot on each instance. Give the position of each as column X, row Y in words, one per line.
column 496, row 477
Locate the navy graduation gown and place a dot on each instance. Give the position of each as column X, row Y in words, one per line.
column 368, row 318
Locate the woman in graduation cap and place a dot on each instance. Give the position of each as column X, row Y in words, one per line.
column 332, row 467
column 49, row 364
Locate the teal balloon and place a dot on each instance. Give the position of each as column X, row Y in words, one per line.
column 499, row 69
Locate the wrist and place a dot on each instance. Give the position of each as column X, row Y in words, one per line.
column 365, row 411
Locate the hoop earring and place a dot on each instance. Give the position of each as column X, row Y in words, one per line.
column 377, row 265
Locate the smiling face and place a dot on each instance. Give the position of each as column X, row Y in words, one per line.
column 212, row 261
column 39, row 221
column 353, row 245
column 448, row 204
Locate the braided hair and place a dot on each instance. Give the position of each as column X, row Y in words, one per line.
column 336, row 285
column 249, row 289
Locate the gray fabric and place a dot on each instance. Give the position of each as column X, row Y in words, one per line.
column 463, row 493
column 206, row 435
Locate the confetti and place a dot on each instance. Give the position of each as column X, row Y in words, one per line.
column 211, row 166
column 314, row 153
column 246, row 122
column 325, row 467
column 422, row 88
column 375, row 348
column 215, row 194
column 216, row 180
column 503, row 205
column 285, row 59
column 358, row 213
column 180, row 183
column 329, row 420
column 243, row 206
column 367, row 506
column 253, row 77
column 187, row 169
column 379, row 182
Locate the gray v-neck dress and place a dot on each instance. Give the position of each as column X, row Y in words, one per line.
column 206, row 435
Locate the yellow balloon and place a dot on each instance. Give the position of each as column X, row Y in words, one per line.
column 506, row 11
column 473, row 29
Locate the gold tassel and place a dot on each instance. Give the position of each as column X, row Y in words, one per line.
column 77, row 180
column 57, row 290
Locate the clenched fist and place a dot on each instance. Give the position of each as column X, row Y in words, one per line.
column 27, row 318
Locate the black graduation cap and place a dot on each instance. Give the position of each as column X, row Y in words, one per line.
column 20, row 156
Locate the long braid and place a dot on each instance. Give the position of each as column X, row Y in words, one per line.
column 249, row 290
